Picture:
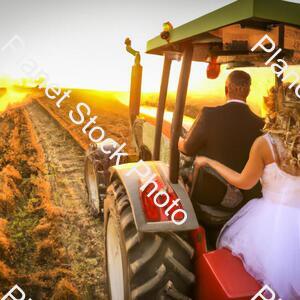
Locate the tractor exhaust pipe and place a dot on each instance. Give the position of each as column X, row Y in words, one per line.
column 136, row 83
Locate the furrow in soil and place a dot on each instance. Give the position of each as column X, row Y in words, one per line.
column 81, row 234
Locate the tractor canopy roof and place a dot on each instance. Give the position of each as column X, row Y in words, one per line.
column 231, row 31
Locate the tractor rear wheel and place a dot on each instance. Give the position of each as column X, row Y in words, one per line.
column 143, row 265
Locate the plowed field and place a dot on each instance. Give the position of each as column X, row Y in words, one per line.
column 49, row 243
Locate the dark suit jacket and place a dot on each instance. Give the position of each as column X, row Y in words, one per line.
column 226, row 134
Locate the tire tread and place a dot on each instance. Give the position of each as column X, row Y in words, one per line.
column 159, row 264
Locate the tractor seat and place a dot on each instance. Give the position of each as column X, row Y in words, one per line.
column 226, row 277
column 216, row 215
column 212, row 215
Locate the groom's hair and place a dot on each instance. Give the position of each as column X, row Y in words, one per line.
column 238, row 85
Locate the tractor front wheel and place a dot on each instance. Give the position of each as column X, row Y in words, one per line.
column 143, row 265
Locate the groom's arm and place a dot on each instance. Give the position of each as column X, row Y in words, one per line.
column 196, row 137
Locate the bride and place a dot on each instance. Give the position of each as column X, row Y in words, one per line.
column 265, row 233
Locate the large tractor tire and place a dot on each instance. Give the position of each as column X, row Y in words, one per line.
column 143, row 265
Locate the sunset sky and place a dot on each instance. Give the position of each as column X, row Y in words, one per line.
column 81, row 43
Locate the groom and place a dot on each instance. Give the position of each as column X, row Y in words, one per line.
column 226, row 134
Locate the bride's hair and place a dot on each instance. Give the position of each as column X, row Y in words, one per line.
column 283, row 123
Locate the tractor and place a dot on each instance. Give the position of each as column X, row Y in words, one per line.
column 150, row 253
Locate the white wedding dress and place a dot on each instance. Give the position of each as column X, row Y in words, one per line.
column 265, row 233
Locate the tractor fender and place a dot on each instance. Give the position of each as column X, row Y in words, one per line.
column 131, row 181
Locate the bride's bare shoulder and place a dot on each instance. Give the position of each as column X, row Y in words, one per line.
column 263, row 148
column 260, row 143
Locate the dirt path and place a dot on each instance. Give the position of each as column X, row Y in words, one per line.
column 80, row 234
